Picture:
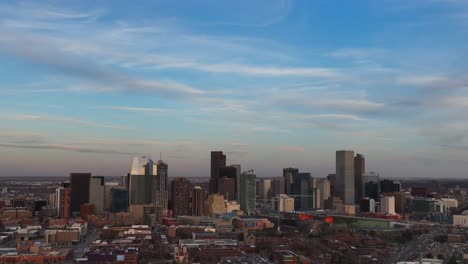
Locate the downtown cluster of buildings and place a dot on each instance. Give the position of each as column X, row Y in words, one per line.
column 232, row 217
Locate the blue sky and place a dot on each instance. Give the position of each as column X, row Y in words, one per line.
column 86, row 85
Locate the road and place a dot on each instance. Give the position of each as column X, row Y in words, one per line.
column 80, row 250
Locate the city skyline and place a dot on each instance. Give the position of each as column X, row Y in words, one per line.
column 86, row 86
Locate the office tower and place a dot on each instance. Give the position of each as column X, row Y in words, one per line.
column 371, row 190
column 214, row 204
column 303, row 191
column 323, row 186
column 139, row 187
column 367, row 205
column 389, row 186
column 63, row 201
column 345, row 176
column 227, row 188
column 247, row 191
column 400, row 201
column 218, row 160
column 238, row 173
column 283, row 203
column 288, row 175
column 96, row 193
column 359, row 170
column 180, row 196
column 198, row 198
column 387, row 205
column 159, row 184
column 119, row 197
column 79, row 193
column 108, row 186
column 332, row 179
column 264, row 190
column 277, row 186
column 124, row 180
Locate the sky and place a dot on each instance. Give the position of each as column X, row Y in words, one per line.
column 87, row 85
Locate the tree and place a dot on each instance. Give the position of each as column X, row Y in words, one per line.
column 440, row 256
column 429, row 255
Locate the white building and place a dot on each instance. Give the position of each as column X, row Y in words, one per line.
column 460, row 220
column 283, row 203
column 387, row 205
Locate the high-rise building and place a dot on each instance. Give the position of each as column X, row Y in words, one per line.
column 303, row 191
column 359, row 170
column 264, row 190
column 119, row 199
column 227, row 188
column 387, row 205
column 332, row 179
column 324, row 188
column 139, row 187
column 198, row 199
column 345, row 176
column 159, row 197
column 180, row 196
column 238, row 173
column 108, row 186
column 218, row 161
column 63, row 201
column 79, row 193
column 400, row 201
column 371, row 190
column 288, row 175
column 277, row 186
column 96, row 193
column 389, row 186
column 283, row 203
column 247, row 191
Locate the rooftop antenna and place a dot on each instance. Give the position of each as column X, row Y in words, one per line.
column 160, row 155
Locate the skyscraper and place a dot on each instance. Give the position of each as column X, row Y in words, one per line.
column 277, row 186
column 371, row 185
column 119, row 199
column 218, row 160
column 96, row 193
column 247, row 191
column 265, row 190
column 324, row 188
column 79, row 190
column 238, row 173
column 389, row 186
column 181, row 189
column 303, row 191
column 288, row 174
column 359, row 170
column 159, row 195
column 63, row 201
column 345, row 176
column 139, row 187
column 198, row 199
column 227, row 188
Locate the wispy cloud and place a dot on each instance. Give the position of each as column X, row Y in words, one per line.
column 61, row 119
column 71, row 148
column 133, row 109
